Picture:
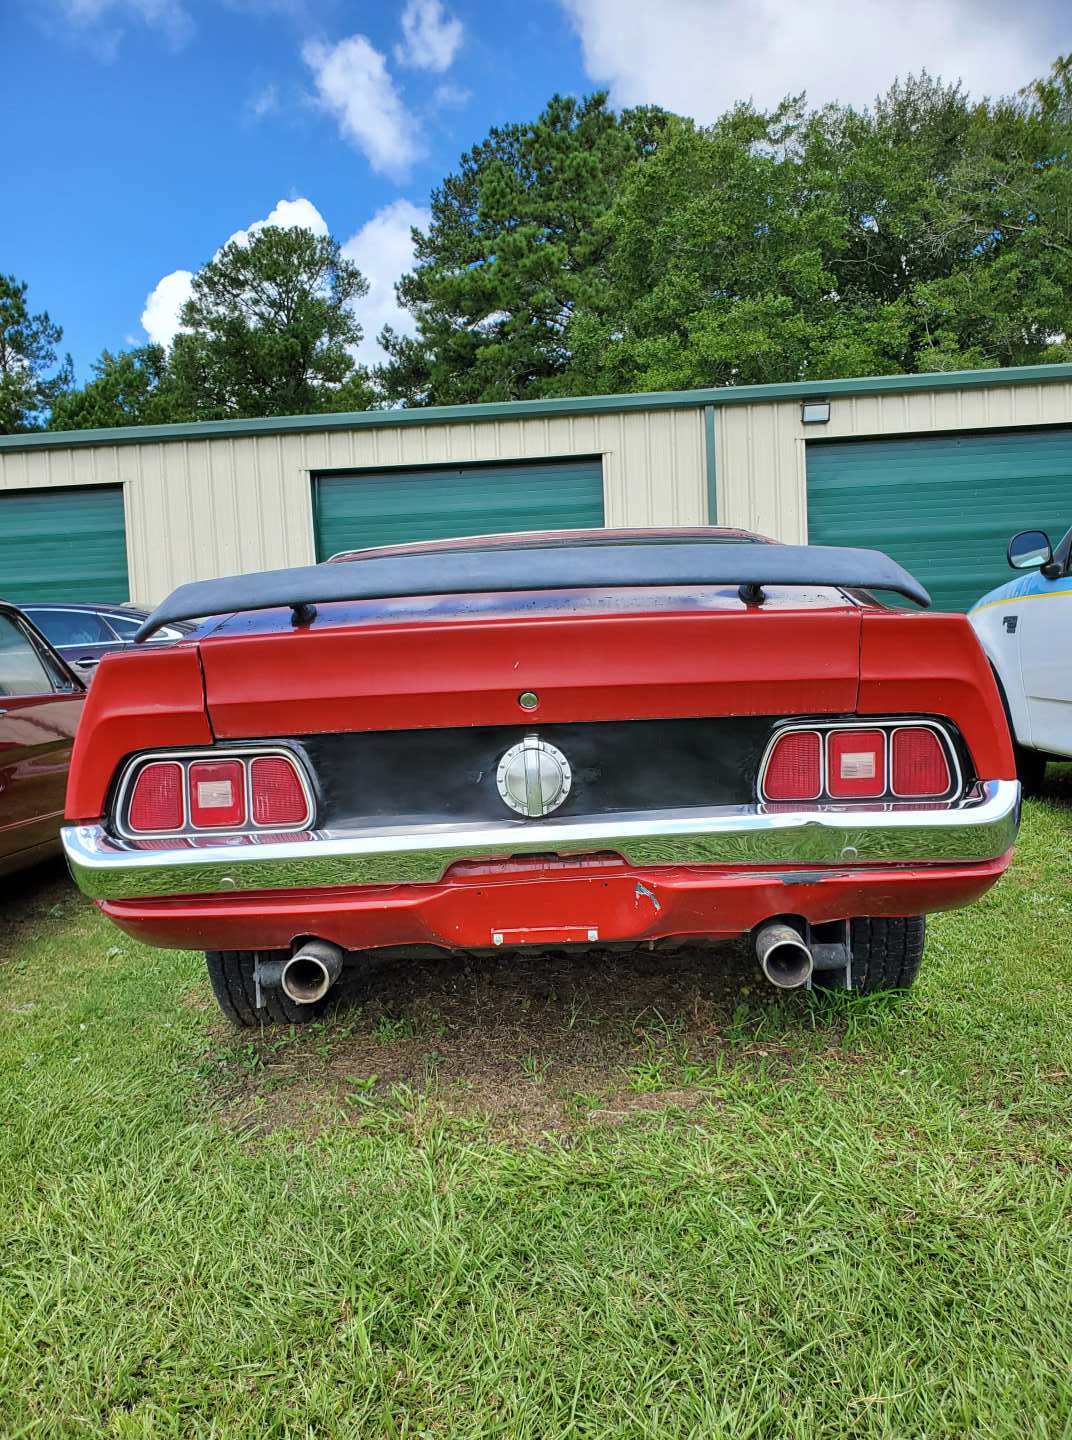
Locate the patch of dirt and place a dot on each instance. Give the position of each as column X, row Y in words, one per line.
column 529, row 1045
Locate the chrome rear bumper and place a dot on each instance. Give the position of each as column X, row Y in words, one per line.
column 982, row 826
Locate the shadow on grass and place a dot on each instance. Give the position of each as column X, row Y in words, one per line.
column 1057, row 785
column 30, row 897
column 533, row 1044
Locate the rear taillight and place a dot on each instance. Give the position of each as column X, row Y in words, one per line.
column 887, row 760
column 276, row 791
column 202, row 793
column 795, row 768
column 918, row 763
column 855, row 763
column 157, row 800
column 217, row 794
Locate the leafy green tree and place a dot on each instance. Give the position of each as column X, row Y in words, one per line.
column 1007, row 219
column 271, row 330
column 958, row 213
column 720, row 269
column 929, row 232
column 135, row 387
column 513, row 244
column 27, row 355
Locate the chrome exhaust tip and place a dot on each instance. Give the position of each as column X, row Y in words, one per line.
column 311, row 972
column 784, row 956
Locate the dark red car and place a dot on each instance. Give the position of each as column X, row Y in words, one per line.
column 40, row 702
column 596, row 739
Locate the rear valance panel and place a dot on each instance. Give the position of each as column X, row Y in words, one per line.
column 435, row 777
column 325, row 680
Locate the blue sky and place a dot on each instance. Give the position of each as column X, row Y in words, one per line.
column 148, row 132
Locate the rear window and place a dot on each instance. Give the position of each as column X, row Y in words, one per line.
column 72, row 627
column 124, row 626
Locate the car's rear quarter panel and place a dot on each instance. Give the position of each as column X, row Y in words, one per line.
column 141, row 700
column 934, row 665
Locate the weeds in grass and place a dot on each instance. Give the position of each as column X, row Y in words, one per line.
column 361, row 1088
column 647, row 1077
column 534, row 1068
column 388, row 1029
column 577, row 1014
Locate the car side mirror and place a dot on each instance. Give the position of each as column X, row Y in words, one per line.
column 1030, row 550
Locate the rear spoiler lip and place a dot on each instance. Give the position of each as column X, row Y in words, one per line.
column 628, row 565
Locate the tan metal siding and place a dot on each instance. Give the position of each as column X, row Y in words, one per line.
column 200, row 508
column 759, row 470
column 761, row 463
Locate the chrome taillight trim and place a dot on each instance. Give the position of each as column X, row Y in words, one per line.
column 185, row 758
column 189, row 795
column 874, row 729
column 947, row 750
column 182, row 827
column 794, row 730
column 888, row 725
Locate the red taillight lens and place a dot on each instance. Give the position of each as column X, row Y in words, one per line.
column 277, row 793
column 156, row 802
column 217, row 794
column 855, row 763
column 918, row 763
column 794, row 769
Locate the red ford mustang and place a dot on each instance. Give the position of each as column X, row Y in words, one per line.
column 585, row 739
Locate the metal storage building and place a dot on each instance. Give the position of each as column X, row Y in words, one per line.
column 937, row 469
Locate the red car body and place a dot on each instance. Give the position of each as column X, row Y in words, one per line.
column 662, row 704
column 40, row 702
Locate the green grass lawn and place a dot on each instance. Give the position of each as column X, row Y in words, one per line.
column 594, row 1200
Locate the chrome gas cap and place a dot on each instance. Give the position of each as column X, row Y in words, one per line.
column 534, row 778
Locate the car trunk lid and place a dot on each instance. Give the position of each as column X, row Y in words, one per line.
column 593, row 655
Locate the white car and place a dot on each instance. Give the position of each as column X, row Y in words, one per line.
column 1025, row 627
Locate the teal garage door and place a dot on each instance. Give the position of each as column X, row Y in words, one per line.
column 943, row 505
column 391, row 507
column 63, row 545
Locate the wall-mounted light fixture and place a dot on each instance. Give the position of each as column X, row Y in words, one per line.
column 815, row 412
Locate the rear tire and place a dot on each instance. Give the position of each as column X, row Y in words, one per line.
column 232, row 976
column 886, row 953
column 1031, row 769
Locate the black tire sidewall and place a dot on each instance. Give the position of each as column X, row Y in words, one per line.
column 232, row 975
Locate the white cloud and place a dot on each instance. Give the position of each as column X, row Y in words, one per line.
column 264, row 103
column 168, row 16
column 163, row 304
column 354, row 84
column 448, row 96
column 383, row 251
column 700, row 56
column 301, row 213
column 430, row 38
